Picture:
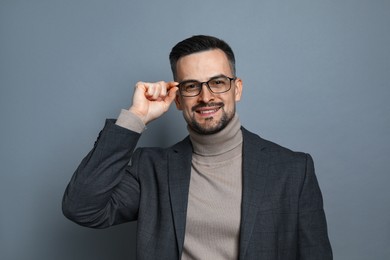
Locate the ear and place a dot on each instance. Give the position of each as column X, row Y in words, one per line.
column 178, row 101
column 238, row 89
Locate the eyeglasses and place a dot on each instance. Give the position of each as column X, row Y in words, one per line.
column 216, row 85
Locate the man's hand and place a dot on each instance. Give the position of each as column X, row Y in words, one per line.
column 151, row 100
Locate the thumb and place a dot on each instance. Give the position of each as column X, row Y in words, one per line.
column 171, row 95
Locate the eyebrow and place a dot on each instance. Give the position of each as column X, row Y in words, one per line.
column 195, row 80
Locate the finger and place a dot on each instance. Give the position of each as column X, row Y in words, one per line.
column 140, row 90
column 150, row 88
column 172, row 84
column 160, row 90
column 164, row 89
column 157, row 90
column 152, row 92
column 171, row 94
column 141, row 86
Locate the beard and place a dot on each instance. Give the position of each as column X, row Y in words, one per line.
column 211, row 125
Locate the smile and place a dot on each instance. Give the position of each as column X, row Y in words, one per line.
column 208, row 111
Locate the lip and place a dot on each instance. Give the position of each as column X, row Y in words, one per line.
column 207, row 111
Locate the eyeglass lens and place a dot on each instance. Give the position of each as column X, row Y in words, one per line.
column 216, row 85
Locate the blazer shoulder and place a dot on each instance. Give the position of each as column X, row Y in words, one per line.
column 256, row 143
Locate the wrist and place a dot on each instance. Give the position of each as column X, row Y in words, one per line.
column 138, row 114
column 131, row 121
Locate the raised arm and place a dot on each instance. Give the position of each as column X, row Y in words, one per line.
column 103, row 190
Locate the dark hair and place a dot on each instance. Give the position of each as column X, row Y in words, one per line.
column 200, row 43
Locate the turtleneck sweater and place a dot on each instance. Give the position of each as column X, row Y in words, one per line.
column 214, row 201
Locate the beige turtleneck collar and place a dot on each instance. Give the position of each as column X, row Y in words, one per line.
column 219, row 143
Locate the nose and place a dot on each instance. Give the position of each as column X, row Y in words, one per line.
column 205, row 95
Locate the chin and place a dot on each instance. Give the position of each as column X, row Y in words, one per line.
column 210, row 127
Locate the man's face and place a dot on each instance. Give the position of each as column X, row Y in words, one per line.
column 208, row 112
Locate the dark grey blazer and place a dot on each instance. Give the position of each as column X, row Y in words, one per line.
column 282, row 211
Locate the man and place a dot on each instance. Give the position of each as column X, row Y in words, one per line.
column 221, row 193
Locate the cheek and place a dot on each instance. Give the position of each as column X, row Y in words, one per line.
column 233, row 99
column 187, row 108
column 184, row 106
column 179, row 103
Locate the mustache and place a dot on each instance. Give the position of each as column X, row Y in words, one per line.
column 211, row 104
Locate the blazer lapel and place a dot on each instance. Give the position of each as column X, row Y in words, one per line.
column 179, row 167
column 253, row 172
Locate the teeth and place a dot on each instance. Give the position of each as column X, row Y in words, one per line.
column 208, row 111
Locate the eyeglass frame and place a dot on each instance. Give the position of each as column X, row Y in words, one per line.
column 207, row 85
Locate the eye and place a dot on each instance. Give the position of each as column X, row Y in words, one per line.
column 218, row 82
column 190, row 86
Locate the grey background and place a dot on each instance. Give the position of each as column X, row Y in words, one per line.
column 316, row 79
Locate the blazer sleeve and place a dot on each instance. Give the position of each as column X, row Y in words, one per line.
column 102, row 192
column 313, row 238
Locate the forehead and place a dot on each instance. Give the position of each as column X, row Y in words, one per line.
column 203, row 65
